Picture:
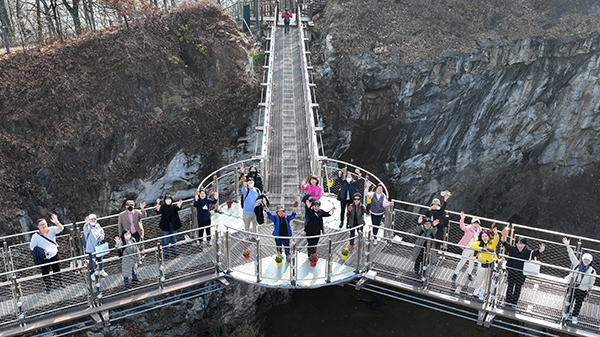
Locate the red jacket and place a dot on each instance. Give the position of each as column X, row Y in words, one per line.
column 286, row 15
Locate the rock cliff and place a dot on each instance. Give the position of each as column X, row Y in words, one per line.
column 511, row 127
column 122, row 113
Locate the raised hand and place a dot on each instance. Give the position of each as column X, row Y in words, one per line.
column 54, row 219
column 566, row 241
column 542, row 247
column 462, row 215
column 216, row 196
column 436, row 222
column 142, row 205
column 420, row 219
column 303, row 182
column 179, row 203
column 117, row 239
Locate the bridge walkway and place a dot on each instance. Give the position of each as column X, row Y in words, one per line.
column 287, row 151
column 26, row 304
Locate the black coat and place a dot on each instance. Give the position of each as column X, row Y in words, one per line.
column 346, row 187
column 513, row 251
column 314, row 224
column 439, row 214
column 169, row 215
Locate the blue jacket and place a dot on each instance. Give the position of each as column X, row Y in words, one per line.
column 39, row 255
column 276, row 221
column 250, row 197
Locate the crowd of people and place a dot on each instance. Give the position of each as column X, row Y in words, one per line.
column 479, row 246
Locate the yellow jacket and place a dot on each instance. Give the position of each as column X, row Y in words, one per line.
column 483, row 256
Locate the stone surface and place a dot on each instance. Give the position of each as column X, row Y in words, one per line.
column 501, row 126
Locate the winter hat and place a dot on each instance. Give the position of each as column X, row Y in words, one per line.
column 436, row 201
column 476, row 219
column 280, row 208
column 92, row 216
column 426, row 220
column 587, row 256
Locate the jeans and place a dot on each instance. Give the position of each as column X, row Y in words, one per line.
column 285, row 243
column 98, row 259
column 165, row 241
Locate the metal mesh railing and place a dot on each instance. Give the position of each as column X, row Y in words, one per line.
column 251, row 256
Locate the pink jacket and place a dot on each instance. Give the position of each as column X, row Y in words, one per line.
column 310, row 189
column 468, row 229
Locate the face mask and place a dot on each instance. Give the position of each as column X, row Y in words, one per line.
column 349, row 180
column 93, row 223
column 436, row 207
column 168, row 201
column 130, row 208
column 252, row 171
column 250, row 185
column 127, row 237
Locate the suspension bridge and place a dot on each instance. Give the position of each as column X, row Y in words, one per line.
column 288, row 149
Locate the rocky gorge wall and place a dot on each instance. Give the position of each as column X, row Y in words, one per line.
column 512, row 128
column 125, row 113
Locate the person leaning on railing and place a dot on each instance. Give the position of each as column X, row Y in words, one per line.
column 131, row 220
column 282, row 228
column 426, row 230
column 583, row 276
column 129, row 251
column 356, row 216
column 43, row 243
column 379, row 202
column 471, row 235
column 169, row 223
column 202, row 204
column 486, row 257
column 516, row 256
column 314, row 225
column 312, row 191
column 437, row 211
column 252, row 173
column 347, row 190
column 93, row 235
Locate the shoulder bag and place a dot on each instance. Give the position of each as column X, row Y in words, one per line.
column 531, row 267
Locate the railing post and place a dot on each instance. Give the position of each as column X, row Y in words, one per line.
column 4, row 259
column 215, row 184
column 194, row 215
column 488, row 285
column 389, row 221
column 236, row 183
column 17, row 298
column 495, row 285
column 72, row 244
column 359, row 249
column 97, row 284
column 426, row 262
column 329, row 260
column 218, row 252
column 294, row 266
column 227, row 253
column 161, row 267
column 368, row 245
column 85, row 271
column 257, row 263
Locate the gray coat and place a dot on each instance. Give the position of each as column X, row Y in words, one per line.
column 422, row 241
column 131, row 256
